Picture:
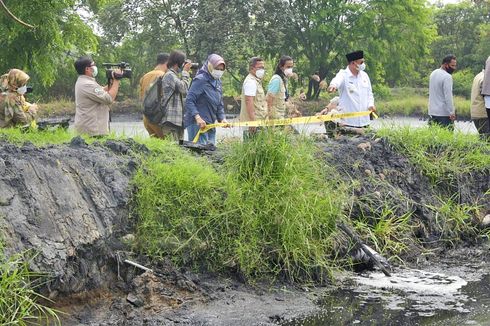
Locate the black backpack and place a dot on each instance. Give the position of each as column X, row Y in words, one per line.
column 153, row 108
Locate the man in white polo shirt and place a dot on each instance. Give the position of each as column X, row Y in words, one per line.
column 253, row 104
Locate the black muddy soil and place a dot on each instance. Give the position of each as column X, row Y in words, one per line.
column 70, row 203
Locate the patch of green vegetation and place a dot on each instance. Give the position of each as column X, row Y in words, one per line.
column 52, row 136
column 454, row 221
column 269, row 210
column 441, row 154
column 19, row 302
column 411, row 104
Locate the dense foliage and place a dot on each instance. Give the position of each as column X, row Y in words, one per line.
column 266, row 212
column 403, row 40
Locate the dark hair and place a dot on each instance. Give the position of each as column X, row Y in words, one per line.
column 253, row 61
column 448, row 59
column 281, row 63
column 82, row 63
column 162, row 58
column 176, row 58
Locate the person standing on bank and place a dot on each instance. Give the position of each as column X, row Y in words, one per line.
column 441, row 106
column 478, row 110
column 204, row 101
column 14, row 109
column 277, row 91
column 92, row 100
column 485, row 91
column 253, row 103
column 355, row 91
column 174, row 89
column 145, row 82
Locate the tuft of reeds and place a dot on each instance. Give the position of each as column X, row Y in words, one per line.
column 19, row 302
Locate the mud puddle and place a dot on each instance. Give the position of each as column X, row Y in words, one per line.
column 451, row 296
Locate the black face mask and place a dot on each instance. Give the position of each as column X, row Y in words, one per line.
column 450, row 70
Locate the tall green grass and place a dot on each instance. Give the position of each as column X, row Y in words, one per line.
column 441, row 154
column 269, row 211
column 19, row 302
column 445, row 157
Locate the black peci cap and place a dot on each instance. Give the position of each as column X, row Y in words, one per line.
column 354, row 56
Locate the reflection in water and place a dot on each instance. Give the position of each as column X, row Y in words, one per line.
column 410, row 297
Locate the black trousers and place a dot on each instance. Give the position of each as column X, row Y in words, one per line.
column 444, row 122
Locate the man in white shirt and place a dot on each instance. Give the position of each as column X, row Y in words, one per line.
column 355, row 91
column 254, row 104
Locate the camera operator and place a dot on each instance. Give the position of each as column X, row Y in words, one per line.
column 92, row 100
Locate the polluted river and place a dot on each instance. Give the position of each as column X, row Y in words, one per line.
column 72, row 202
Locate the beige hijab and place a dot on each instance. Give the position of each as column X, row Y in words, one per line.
column 485, row 90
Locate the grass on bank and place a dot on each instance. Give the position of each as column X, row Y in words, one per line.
column 266, row 212
column 19, row 302
column 54, row 136
column 442, row 155
column 446, row 157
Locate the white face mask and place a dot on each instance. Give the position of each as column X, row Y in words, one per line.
column 260, row 73
column 22, row 90
column 217, row 73
column 95, row 71
column 288, row 72
column 361, row 67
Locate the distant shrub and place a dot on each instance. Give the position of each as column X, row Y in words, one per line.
column 462, row 81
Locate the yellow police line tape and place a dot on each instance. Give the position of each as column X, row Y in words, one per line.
column 285, row 122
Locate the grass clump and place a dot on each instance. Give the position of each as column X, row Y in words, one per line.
column 287, row 203
column 441, row 154
column 53, row 136
column 267, row 212
column 19, row 302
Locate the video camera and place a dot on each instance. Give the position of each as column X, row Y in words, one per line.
column 194, row 65
column 124, row 66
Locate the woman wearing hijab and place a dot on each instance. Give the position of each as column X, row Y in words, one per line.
column 204, row 102
column 14, row 109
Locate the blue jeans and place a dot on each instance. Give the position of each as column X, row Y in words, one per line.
column 208, row 137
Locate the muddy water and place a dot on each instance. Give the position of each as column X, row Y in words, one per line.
column 409, row 297
column 133, row 126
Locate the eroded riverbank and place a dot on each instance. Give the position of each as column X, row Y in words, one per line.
column 71, row 203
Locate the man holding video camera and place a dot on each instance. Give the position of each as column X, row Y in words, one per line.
column 92, row 100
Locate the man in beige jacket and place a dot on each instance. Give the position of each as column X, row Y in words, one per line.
column 478, row 111
column 92, row 100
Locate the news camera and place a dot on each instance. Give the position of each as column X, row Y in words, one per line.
column 194, row 65
column 110, row 69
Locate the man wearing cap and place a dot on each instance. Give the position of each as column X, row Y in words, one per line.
column 355, row 91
